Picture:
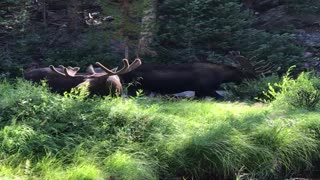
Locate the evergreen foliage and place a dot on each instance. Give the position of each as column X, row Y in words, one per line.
column 193, row 29
column 207, row 29
column 303, row 6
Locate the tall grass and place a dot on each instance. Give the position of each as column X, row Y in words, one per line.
column 50, row 136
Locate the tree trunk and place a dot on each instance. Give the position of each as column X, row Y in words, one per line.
column 74, row 18
column 44, row 13
column 148, row 28
column 125, row 15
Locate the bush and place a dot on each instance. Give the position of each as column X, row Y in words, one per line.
column 302, row 92
column 250, row 90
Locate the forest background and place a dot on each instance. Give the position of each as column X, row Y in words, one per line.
column 37, row 33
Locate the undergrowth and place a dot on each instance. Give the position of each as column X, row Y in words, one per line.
column 71, row 136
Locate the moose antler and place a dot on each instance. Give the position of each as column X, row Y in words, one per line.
column 135, row 64
column 68, row 72
column 72, row 71
column 110, row 72
column 268, row 68
column 259, row 67
column 243, row 61
column 90, row 69
column 126, row 67
column 56, row 71
column 265, row 68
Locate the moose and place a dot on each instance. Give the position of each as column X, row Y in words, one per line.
column 63, row 79
column 202, row 77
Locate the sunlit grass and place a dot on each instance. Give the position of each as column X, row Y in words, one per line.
column 7, row 172
column 83, row 172
column 49, row 136
column 127, row 166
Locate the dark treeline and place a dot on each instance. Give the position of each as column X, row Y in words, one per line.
column 79, row 33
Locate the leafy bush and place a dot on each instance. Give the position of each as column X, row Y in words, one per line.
column 250, row 89
column 302, row 92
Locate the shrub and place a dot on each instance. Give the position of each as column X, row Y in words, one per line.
column 302, row 92
column 250, row 90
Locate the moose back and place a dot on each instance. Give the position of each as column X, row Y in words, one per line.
column 202, row 77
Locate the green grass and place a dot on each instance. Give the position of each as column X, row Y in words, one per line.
column 49, row 136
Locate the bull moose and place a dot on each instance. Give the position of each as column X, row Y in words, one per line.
column 63, row 79
column 202, row 77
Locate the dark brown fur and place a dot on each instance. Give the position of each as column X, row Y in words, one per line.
column 60, row 84
column 203, row 78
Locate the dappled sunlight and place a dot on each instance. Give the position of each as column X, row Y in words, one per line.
column 149, row 138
